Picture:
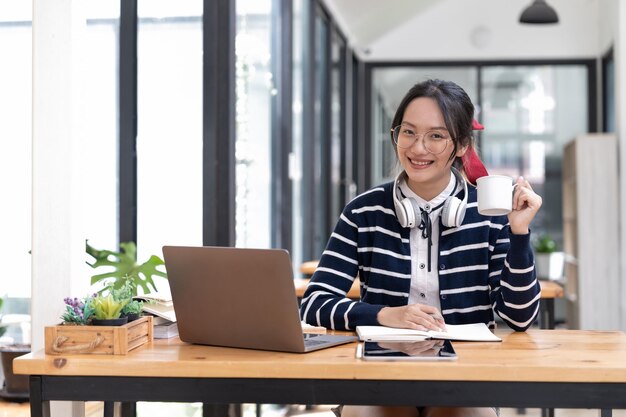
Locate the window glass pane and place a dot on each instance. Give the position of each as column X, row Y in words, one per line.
column 296, row 156
column 337, row 131
column 15, row 146
column 169, row 133
column 100, row 115
column 389, row 85
column 321, row 114
column 254, row 87
column 529, row 113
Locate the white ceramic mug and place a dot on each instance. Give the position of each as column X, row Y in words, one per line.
column 495, row 195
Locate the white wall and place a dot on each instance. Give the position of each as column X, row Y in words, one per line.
column 607, row 31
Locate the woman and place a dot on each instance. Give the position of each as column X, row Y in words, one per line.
column 424, row 255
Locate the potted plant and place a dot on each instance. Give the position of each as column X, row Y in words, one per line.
column 108, row 311
column 133, row 310
column 105, row 308
column 15, row 387
column 548, row 260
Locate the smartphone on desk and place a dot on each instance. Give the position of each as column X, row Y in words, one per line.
column 423, row 350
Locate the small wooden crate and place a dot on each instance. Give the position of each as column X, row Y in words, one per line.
column 103, row 340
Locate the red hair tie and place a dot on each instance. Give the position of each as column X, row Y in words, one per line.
column 472, row 165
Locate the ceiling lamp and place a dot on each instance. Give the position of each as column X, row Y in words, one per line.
column 539, row 13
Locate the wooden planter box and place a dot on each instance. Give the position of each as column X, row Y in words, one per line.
column 102, row 340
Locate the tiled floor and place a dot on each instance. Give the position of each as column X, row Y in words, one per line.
column 10, row 409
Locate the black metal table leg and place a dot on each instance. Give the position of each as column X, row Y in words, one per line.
column 38, row 407
column 109, row 409
column 215, row 410
column 129, row 409
column 547, row 316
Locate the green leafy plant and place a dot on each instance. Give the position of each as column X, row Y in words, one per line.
column 107, row 307
column 133, row 307
column 545, row 244
column 125, row 293
column 108, row 303
column 125, row 267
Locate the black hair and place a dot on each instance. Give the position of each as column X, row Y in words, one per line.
column 454, row 103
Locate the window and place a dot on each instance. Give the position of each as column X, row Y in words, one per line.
column 337, row 192
column 295, row 160
column 100, row 196
column 255, row 86
column 169, row 125
column 15, row 146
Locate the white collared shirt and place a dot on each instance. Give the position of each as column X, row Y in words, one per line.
column 424, row 284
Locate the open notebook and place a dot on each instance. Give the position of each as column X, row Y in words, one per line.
column 475, row 332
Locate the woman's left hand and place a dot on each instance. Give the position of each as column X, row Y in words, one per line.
column 526, row 204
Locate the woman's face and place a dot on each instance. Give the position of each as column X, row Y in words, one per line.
column 428, row 174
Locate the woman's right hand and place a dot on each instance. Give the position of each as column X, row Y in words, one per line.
column 412, row 316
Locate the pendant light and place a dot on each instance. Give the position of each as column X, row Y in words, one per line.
column 539, row 12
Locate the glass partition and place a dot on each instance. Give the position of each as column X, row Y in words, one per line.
column 529, row 113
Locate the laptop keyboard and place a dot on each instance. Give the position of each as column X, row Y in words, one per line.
column 309, row 339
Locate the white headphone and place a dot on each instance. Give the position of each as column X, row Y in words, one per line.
column 452, row 213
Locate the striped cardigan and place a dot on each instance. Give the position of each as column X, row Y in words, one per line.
column 482, row 268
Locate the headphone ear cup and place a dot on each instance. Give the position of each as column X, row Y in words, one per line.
column 409, row 213
column 401, row 214
column 453, row 212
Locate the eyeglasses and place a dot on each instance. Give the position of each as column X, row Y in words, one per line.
column 435, row 141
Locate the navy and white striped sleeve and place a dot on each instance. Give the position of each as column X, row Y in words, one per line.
column 515, row 291
column 325, row 302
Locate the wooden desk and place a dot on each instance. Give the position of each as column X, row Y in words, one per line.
column 539, row 368
column 549, row 291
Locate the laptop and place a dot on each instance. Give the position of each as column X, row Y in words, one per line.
column 238, row 297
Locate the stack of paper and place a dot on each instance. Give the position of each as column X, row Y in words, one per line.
column 165, row 330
